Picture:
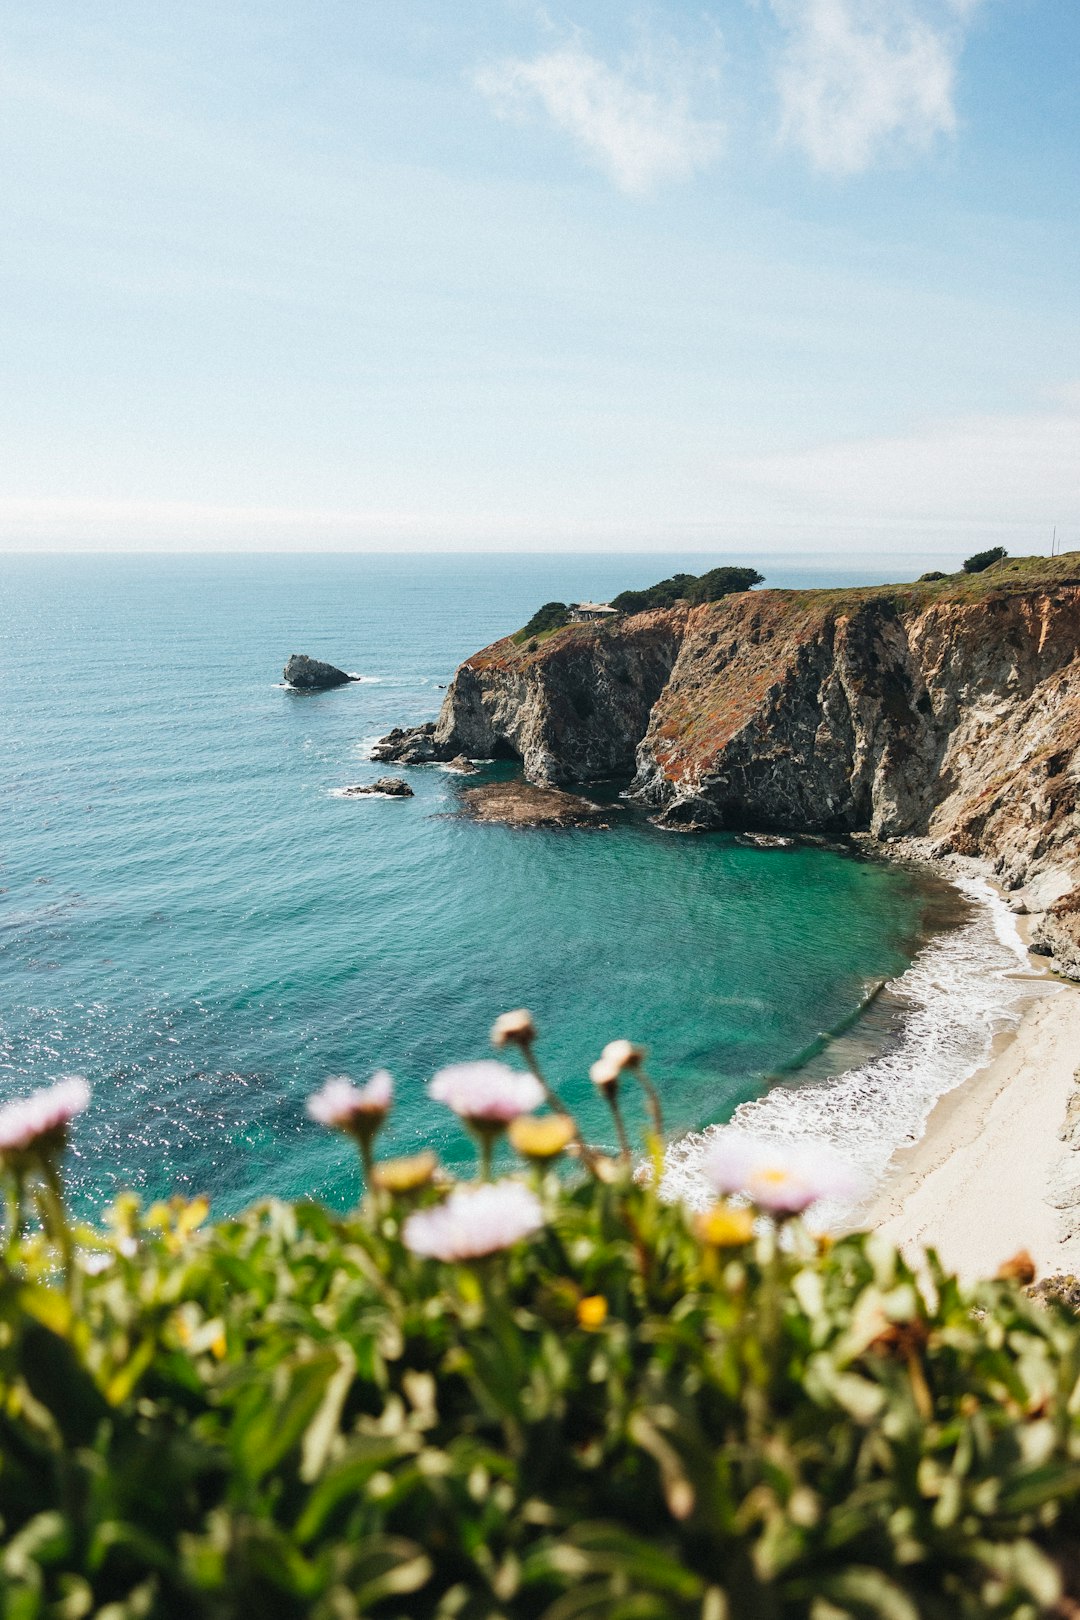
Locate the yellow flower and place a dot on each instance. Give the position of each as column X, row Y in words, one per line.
column 539, row 1139
column 406, row 1175
column 592, row 1312
column 725, row 1227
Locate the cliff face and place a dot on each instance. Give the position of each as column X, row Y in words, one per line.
column 572, row 705
column 949, row 711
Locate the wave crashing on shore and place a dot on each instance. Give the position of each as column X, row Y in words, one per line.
column 962, row 989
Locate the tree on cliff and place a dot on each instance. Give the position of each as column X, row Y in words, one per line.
column 985, row 559
column 552, row 616
column 709, row 587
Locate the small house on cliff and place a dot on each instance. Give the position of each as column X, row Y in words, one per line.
column 588, row 612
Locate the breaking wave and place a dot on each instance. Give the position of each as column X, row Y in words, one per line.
column 962, row 989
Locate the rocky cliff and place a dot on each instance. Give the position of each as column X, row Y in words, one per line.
column 948, row 710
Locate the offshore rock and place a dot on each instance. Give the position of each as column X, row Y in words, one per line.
column 390, row 787
column 411, row 745
column 523, row 804
column 311, row 675
column 947, row 710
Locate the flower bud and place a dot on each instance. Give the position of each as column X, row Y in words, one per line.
column 606, row 1075
column 623, row 1055
column 513, row 1029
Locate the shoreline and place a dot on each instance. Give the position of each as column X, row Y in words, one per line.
column 996, row 1168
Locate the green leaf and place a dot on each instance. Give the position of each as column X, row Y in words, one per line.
column 322, row 1431
column 860, row 1591
column 387, row 1566
column 1053, row 1482
column 347, row 1478
column 57, row 1378
column 283, row 1414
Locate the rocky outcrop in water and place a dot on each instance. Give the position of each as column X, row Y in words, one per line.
column 409, row 745
column 524, row 804
column 386, row 787
column 948, row 709
column 311, row 675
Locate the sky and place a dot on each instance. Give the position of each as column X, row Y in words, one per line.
column 738, row 277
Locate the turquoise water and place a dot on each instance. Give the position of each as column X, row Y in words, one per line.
column 191, row 918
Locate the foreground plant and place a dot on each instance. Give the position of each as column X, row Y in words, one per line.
column 538, row 1398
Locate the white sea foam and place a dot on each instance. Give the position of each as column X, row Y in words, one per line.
column 963, row 988
column 351, row 793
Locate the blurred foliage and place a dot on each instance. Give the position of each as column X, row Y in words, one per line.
column 634, row 1415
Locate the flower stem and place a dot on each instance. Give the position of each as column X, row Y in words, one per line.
column 57, row 1225
column 620, row 1129
column 652, row 1098
column 555, row 1102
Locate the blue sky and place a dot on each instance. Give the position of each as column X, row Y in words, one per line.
column 755, row 275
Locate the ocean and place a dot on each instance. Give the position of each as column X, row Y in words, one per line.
column 192, row 917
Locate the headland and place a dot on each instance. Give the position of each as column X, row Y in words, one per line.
column 938, row 720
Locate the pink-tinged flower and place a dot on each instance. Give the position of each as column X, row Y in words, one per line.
column 474, row 1221
column 487, row 1093
column 785, row 1180
column 38, row 1123
column 356, row 1109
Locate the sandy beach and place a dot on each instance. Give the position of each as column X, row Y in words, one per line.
column 995, row 1171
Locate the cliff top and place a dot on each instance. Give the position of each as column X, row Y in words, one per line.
column 1014, row 576
column 1011, row 577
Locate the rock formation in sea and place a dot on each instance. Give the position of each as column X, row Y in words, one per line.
column 526, row 804
column 311, row 675
column 387, row 787
column 947, row 709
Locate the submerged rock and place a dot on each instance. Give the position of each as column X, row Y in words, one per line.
column 523, row 804
column 311, row 675
column 390, row 787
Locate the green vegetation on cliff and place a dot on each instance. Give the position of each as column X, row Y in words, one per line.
column 552, row 616
column 985, row 559
column 543, row 1397
column 693, row 588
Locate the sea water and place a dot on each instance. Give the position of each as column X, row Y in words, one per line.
column 194, row 917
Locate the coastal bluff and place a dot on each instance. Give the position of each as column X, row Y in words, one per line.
column 947, row 710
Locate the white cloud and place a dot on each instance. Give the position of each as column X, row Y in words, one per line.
column 864, row 79
column 635, row 122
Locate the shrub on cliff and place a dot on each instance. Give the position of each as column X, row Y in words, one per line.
column 552, row 616
column 544, row 1397
column 985, row 559
column 709, row 587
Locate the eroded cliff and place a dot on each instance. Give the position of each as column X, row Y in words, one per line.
column 948, row 710
column 572, row 705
